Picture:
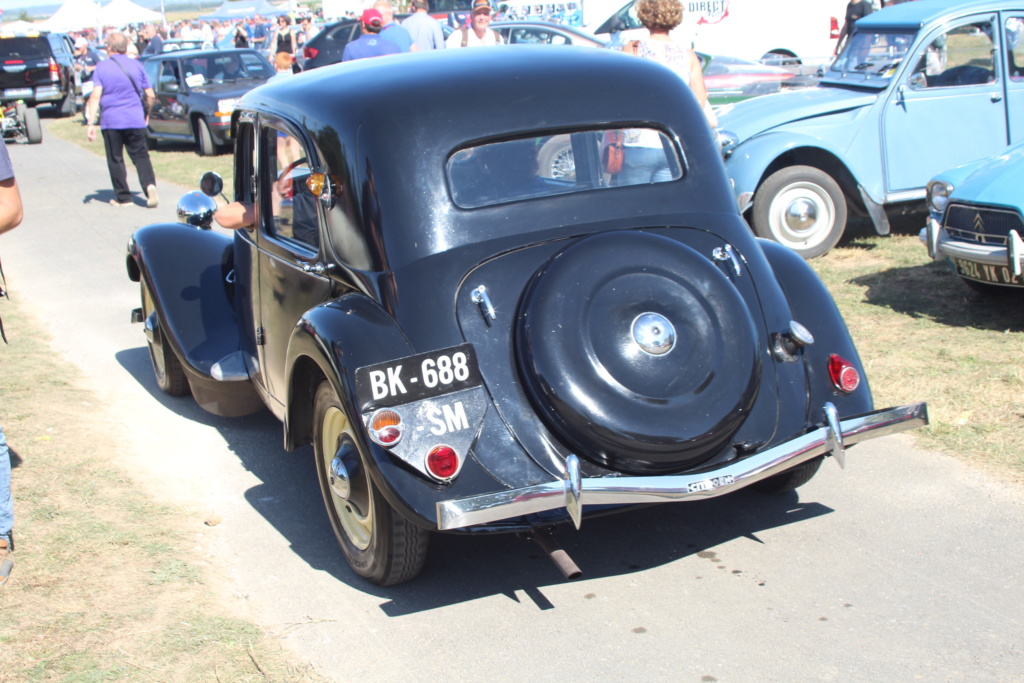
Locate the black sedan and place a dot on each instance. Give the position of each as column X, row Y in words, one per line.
column 471, row 346
column 197, row 91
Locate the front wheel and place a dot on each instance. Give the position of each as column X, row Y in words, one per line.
column 33, row 129
column 802, row 208
column 379, row 544
column 169, row 373
column 204, row 138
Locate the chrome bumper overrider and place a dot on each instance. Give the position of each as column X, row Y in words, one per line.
column 573, row 492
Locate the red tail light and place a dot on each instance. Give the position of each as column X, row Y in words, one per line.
column 842, row 373
column 834, row 31
column 310, row 52
column 54, row 70
column 442, row 462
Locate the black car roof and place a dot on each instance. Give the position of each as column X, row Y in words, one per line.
column 389, row 124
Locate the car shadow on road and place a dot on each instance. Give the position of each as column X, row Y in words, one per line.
column 465, row 567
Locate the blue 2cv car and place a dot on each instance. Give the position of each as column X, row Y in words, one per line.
column 471, row 345
column 919, row 87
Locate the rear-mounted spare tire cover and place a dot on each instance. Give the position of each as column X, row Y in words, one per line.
column 637, row 351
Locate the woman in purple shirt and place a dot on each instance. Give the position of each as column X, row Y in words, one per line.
column 120, row 84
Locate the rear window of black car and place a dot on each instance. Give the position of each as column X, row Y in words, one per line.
column 24, row 47
column 547, row 165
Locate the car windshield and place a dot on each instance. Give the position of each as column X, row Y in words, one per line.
column 546, row 165
column 872, row 55
column 230, row 66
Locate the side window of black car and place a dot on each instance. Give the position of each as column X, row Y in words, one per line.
column 245, row 157
column 288, row 206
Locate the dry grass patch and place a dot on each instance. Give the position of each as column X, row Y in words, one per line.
column 104, row 587
column 924, row 335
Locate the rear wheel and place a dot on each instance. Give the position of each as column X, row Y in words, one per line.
column 33, row 129
column 170, row 375
column 379, row 544
column 790, row 479
column 801, row 207
column 204, row 139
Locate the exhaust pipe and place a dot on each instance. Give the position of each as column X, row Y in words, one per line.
column 561, row 558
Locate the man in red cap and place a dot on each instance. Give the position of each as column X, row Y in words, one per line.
column 480, row 33
column 370, row 44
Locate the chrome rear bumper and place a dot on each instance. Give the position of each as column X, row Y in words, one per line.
column 572, row 492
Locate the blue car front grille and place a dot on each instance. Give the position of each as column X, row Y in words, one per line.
column 981, row 225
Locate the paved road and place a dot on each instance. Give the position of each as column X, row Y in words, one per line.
column 908, row 565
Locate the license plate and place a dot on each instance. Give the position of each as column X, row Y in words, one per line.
column 414, row 378
column 18, row 92
column 983, row 272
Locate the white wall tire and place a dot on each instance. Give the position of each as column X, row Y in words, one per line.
column 802, row 208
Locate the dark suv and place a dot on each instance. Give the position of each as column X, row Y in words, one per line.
column 38, row 68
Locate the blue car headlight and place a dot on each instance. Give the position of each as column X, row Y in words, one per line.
column 938, row 196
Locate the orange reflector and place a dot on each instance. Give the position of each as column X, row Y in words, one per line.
column 386, row 427
column 442, row 462
column 842, row 373
column 315, row 182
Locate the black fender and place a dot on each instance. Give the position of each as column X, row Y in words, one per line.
column 188, row 272
column 812, row 306
column 330, row 342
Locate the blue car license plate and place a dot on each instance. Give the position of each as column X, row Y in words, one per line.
column 983, row 272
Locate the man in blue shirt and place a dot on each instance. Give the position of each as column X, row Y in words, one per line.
column 155, row 43
column 425, row 30
column 393, row 31
column 370, row 44
column 258, row 33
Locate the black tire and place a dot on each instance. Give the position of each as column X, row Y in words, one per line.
column 555, row 159
column 204, row 139
column 68, row 105
column 379, row 544
column 802, row 208
column 790, row 479
column 170, row 375
column 33, row 129
column 19, row 110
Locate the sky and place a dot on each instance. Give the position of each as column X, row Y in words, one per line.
column 10, row 6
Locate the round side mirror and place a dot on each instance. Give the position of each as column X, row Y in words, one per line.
column 211, row 184
column 197, row 209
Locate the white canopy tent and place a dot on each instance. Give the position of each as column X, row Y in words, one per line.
column 73, row 15
column 122, row 12
column 19, row 26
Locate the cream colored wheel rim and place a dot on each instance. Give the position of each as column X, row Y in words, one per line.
column 357, row 525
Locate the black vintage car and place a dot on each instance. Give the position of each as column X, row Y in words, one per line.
column 470, row 345
column 196, row 93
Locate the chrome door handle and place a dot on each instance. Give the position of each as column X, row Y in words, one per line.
column 315, row 268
